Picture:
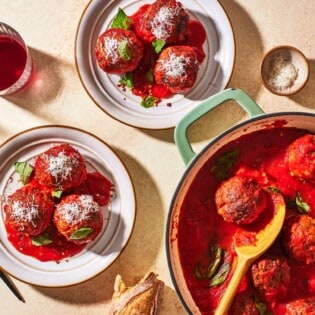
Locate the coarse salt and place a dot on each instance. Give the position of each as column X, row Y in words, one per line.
column 283, row 73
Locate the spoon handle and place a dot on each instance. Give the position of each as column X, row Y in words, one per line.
column 227, row 297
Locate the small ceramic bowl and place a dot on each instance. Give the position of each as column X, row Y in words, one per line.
column 284, row 70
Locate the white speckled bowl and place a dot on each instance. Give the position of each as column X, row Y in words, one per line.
column 296, row 58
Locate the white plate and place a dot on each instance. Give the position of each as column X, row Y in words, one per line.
column 120, row 215
column 213, row 76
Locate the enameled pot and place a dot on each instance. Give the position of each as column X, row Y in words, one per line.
column 258, row 120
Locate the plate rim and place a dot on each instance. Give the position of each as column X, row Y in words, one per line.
column 97, row 102
column 131, row 187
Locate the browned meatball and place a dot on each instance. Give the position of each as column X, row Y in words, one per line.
column 299, row 238
column 177, row 68
column 61, row 167
column 78, row 218
column 301, row 158
column 29, row 210
column 243, row 304
column 118, row 51
column 240, row 200
column 271, row 277
column 167, row 20
column 301, row 307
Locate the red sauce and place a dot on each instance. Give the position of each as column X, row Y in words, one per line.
column 59, row 249
column 98, row 186
column 13, row 59
column 143, row 85
column 196, row 37
column 199, row 224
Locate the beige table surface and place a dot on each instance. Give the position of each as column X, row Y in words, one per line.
column 58, row 97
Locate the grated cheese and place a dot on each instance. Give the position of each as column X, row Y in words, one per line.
column 24, row 212
column 61, row 166
column 111, row 48
column 175, row 66
column 76, row 212
column 283, row 73
column 162, row 22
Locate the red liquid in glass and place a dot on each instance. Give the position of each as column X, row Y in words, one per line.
column 13, row 58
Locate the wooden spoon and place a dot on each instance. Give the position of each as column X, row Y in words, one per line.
column 246, row 254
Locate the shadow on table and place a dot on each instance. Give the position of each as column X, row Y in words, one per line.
column 245, row 76
column 45, row 85
column 306, row 97
column 139, row 256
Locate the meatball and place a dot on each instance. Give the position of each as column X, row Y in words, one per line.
column 301, row 158
column 271, row 276
column 29, row 210
column 243, row 304
column 177, row 68
column 301, row 307
column 240, row 200
column 78, row 218
column 299, row 238
column 60, row 167
column 118, row 51
column 167, row 20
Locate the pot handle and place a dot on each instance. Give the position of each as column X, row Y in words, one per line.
column 180, row 133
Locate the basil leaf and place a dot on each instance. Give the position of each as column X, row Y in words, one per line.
column 149, row 101
column 217, row 254
column 302, row 206
column 56, row 193
column 24, row 169
column 215, row 262
column 121, row 20
column 274, row 190
column 261, row 307
column 81, row 233
column 221, row 276
column 158, row 45
column 127, row 79
column 41, row 240
column 224, row 163
column 150, row 75
column 198, row 272
column 124, row 51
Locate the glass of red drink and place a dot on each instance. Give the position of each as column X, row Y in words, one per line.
column 15, row 61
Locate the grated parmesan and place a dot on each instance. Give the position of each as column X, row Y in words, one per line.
column 24, row 212
column 76, row 212
column 175, row 66
column 162, row 22
column 61, row 166
column 283, row 73
column 111, row 48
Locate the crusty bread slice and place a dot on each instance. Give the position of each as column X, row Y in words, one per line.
column 143, row 298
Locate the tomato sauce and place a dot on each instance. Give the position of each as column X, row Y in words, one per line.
column 143, row 84
column 199, row 224
column 58, row 250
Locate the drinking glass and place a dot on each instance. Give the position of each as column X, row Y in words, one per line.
column 15, row 61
